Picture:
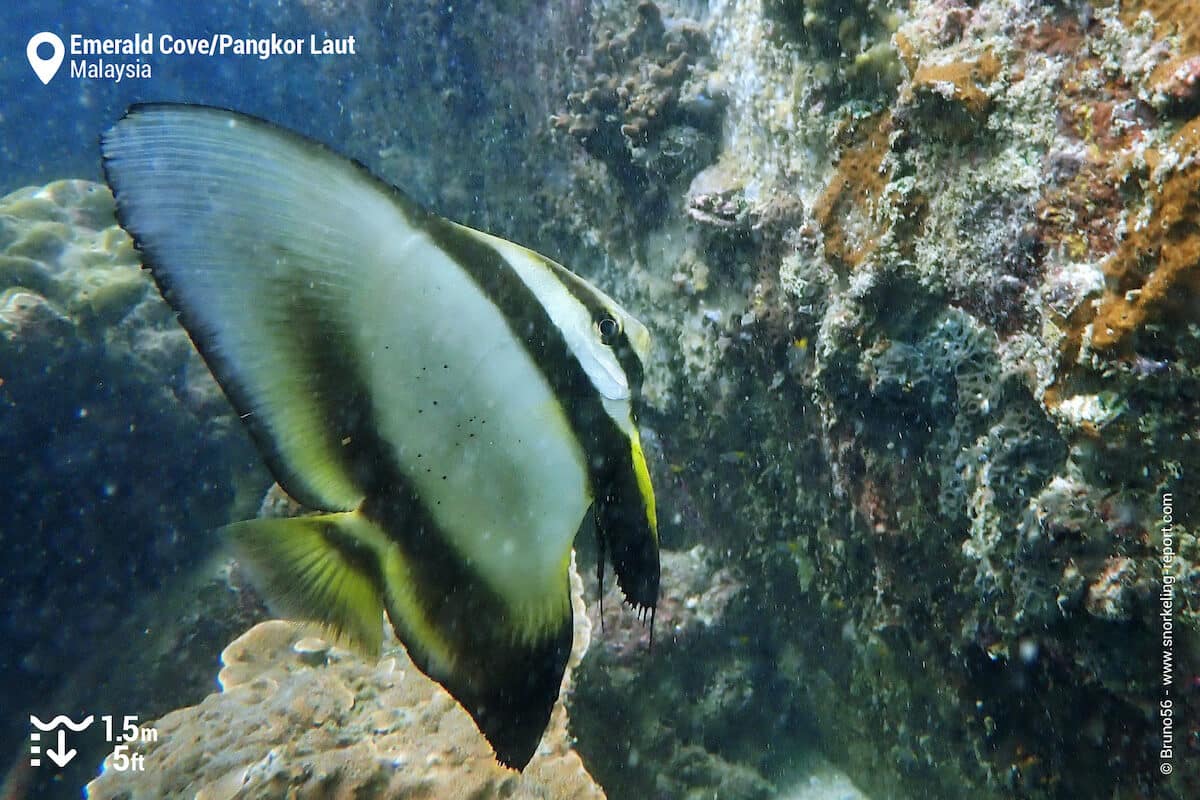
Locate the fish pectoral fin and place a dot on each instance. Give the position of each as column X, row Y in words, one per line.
column 324, row 568
column 627, row 526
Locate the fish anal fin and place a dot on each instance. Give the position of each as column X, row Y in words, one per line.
column 512, row 706
column 460, row 632
column 509, row 687
column 324, row 569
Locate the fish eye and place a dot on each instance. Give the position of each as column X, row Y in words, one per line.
column 608, row 328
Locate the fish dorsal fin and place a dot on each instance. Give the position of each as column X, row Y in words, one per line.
column 260, row 238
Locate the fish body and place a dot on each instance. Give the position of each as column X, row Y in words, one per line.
column 450, row 403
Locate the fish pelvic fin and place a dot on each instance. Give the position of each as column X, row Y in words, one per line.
column 627, row 524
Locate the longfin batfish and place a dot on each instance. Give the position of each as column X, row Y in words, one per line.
column 452, row 403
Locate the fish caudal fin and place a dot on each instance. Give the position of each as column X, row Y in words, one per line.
column 324, row 568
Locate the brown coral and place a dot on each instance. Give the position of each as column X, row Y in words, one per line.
column 648, row 113
column 846, row 209
column 953, row 97
column 1154, row 277
column 1176, row 18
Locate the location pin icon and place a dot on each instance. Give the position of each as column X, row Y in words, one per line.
column 45, row 68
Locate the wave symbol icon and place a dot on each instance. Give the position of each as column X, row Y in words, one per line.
column 61, row 719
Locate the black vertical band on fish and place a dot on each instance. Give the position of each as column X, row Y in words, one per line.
column 451, row 402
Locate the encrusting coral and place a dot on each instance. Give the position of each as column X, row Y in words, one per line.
column 851, row 37
column 650, row 115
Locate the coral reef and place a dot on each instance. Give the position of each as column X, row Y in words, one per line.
column 300, row 718
column 923, row 281
column 852, row 39
column 1153, row 278
column 95, row 377
column 651, row 115
column 929, row 412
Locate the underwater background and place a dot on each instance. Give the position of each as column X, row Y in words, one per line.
column 924, row 410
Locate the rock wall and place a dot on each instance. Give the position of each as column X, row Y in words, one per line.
column 930, row 406
column 926, row 370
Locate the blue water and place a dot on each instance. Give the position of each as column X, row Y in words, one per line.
column 50, row 132
column 82, row 550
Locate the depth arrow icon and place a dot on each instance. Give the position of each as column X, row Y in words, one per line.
column 62, row 756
